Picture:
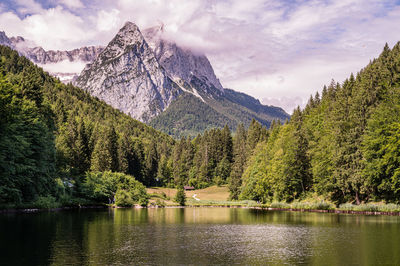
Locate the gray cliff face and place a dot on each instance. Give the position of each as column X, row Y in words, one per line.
column 42, row 57
column 84, row 54
column 181, row 64
column 127, row 75
column 4, row 40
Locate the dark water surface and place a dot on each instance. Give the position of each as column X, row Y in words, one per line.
column 197, row 236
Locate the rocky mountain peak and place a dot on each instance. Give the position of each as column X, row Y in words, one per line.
column 4, row 40
column 128, row 76
column 17, row 39
column 181, row 64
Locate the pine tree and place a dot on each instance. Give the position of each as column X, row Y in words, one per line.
column 239, row 162
column 180, row 196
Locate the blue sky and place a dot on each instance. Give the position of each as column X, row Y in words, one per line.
column 277, row 51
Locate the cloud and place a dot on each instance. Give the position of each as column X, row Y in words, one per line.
column 286, row 102
column 64, row 67
column 28, row 7
column 53, row 28
column 268, row 49
column 108, row 20
column 73, row 4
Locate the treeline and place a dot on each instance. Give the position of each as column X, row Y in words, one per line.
column 212, row 158
column 52, row 134
column 344, row 145
column 55, row 139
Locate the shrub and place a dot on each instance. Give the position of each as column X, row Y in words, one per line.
column 46, row 202
column 123, row 198
column 143, row 201
column 160, row 203
column 346, row 207
column 180, row 197
column 103, row 186
column 280, row 205
column 323, row 206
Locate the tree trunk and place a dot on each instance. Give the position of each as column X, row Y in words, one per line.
column 357, row 198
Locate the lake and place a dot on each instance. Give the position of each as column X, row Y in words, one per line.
column 197, row 236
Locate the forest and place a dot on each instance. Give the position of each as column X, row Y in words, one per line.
column 59, row 143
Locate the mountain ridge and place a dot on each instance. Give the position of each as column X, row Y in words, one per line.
column 143, row 74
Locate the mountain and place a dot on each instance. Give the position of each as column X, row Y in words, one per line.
column 48, row 59
column 128, row 76
column 181, row 64
column 152, row 79
column 172, row 88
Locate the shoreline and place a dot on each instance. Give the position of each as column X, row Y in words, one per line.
column 335, row 211
column 300, row 210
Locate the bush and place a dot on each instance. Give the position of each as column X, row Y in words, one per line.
column 180, row 197
column 103, row 186
column 46, row 202
column 143, row 201
column 323, row 206
column 280, row 205
column 123, row 198
column 160, row 203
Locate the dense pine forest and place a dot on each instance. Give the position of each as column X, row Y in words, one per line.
column 344, row 145
column 58, row 142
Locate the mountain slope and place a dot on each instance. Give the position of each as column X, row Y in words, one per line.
column 50, row 130
column 172, row 88
column 344, row 146
column 127, row 76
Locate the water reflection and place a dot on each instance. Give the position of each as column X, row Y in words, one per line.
column 223, row 236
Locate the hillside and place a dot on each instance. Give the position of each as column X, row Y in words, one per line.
column 344, row 146
column 171, row 88
column 190, row 115
column 50, row 130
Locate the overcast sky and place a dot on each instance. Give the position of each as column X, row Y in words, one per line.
column 277, row 51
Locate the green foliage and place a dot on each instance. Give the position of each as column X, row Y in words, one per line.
column 180, row 197
column 370, row 207
column 103, row 186
column 49, row 130
column 27, row 151
column 321, row 205
column 239, row 162
column 46, row 202
column 123, row 198
column 344, row 146
column 160, row 203
column 189, row 116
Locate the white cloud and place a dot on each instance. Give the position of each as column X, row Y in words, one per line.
column 54, row 28
column 108, row 20
column 72, row 3
column 268, row 49
column 286, row 102
column 64, row 67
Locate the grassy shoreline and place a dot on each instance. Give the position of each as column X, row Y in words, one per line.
column 216, row 197
column 219, row 205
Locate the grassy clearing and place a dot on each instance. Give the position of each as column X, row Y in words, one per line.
column 213, row 195
column 218, row 196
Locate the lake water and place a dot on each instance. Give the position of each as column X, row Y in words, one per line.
column 197, row 236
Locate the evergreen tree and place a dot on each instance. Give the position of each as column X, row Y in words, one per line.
column 239, row 162
column 180, row 196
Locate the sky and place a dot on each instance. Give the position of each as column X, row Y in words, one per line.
column 280, row 52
